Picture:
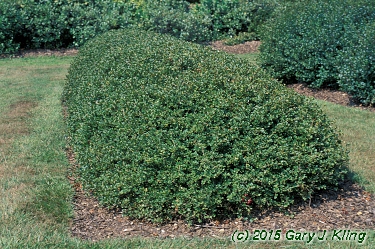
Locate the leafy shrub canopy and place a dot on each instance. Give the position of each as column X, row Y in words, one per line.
column 66, row 23
column 164, row 128
column 324, row 43
column 59, row 23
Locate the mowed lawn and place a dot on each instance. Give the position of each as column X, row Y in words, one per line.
column 36, row 197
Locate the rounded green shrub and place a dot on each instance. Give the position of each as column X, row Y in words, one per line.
column 167, row 129
column 312, row 42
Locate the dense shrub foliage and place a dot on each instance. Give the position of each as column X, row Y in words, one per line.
column 324, row 43
column 175, row 17
column 59, row 23
column 164, row 129
column 357, row 64
column 207, row 20
column 8, row 23
column 65, row 23
column 229, row 17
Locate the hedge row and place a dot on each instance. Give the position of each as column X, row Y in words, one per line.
column 167, row 129
column 59, row 23
column 204, row 20
column 324, row 43
column 66, row 23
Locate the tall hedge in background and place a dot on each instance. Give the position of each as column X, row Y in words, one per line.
column 230, row 17
column 323, row 43
column 357, row 63
column 9, row 21
column 206, row 20
column 66, row 23
column 167, row 129
column 176, row 18
column 59, row 23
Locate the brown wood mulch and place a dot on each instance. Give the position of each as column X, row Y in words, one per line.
column 41, row 52
column 330, row 95
column 350, row 207
column 246, row 47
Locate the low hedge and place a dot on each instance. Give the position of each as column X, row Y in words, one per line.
column 166, row 129
column 324, row 44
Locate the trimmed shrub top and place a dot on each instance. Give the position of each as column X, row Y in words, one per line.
column 167, row 129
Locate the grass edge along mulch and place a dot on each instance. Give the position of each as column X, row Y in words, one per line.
column 142, row 228
column 24, row 230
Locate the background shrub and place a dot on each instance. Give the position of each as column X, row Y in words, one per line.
column 230, row 17
column 306, row 42
column 61, row 23
column 167, row 129
column 96, row 17
column 9, row 20
column 66, row 23
column 175, row 17
column 357, row 64
column 207, row 20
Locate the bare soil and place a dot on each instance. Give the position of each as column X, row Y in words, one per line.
column 349, row 207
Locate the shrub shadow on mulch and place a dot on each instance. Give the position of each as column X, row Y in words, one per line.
column 348, row 207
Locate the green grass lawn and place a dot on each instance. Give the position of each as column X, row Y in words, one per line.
column 36, row 197
column 251, row 56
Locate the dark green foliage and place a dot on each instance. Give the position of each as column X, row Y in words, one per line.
column 317, row 42
column 164, row 129
column 67, row 23
column 357, row 64
column 90, row 18
column 60, row 23
column 229, row 17
column 175, row 18
column 8, row 22
column 208, row 19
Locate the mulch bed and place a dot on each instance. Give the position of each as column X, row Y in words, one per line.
column 350, row 207
column 42, row 52
column 247, row 47
column 330, row 95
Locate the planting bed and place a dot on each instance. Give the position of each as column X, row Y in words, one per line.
column 350, row 206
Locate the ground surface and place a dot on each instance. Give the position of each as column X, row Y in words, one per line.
column 349, row 207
